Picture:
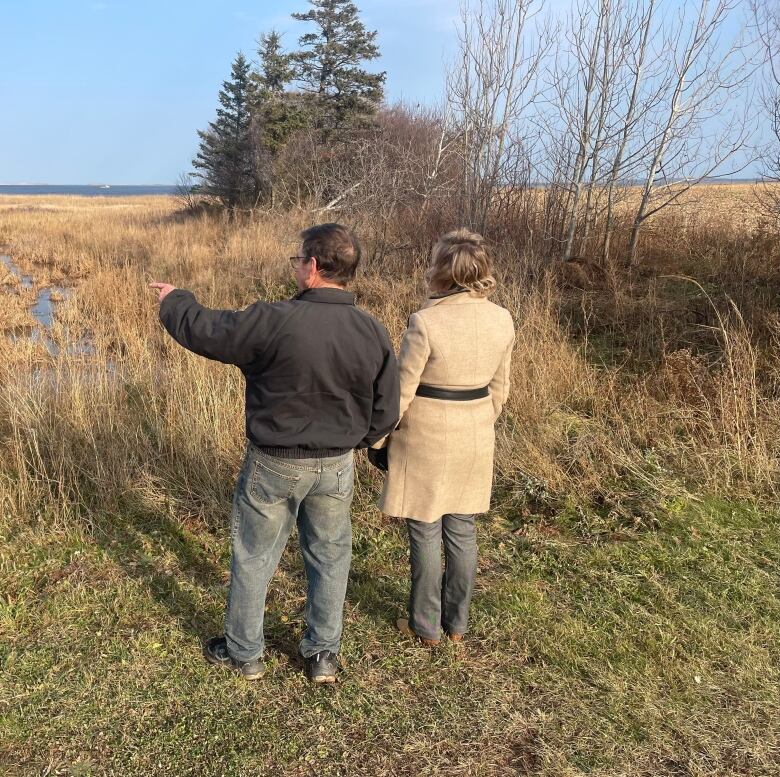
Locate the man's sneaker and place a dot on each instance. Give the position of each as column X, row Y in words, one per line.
column 322, row 667
column 216, row 652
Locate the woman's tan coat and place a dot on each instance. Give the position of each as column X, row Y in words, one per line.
column 441, row 455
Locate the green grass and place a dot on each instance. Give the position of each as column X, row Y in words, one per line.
column 656, row 653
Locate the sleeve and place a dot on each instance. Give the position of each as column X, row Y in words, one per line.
column 412, row 358
column 499, row 384
column 228, row 336
column 384, row 412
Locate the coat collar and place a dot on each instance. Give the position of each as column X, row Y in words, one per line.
column 328, row 295
column 449, row 293
column 464, row 297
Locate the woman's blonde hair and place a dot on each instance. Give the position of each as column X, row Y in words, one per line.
column 460, row 260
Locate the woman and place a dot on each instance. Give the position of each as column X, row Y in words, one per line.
column 454, row 365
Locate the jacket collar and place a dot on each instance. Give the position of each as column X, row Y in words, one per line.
column 449, row 293
column 329, row 295
column 456, row 298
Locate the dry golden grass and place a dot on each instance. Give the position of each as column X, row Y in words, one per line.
column 733, row 206
column 596, row 432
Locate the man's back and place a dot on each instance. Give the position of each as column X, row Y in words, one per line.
column 321, row 376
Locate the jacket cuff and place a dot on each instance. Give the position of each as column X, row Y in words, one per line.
column 173, row 296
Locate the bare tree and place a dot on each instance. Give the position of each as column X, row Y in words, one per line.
column 638, row 90
column 644, row 90
column 695, row 121
column 601, row 80
column 492, row 86
column 641, row 20
column 766, row 19
column 187, row 192
column 587, row 81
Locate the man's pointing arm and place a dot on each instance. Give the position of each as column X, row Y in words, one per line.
column 228, row 336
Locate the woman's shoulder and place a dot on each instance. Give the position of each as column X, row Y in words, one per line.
column 499, row 312
column 496, row 307
column 438, row 317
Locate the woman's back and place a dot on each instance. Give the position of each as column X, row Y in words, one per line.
column 468, row 337
column 441, row 455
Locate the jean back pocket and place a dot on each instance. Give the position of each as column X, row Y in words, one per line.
column 270, row 486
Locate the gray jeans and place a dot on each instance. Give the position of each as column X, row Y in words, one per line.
column 442, row 600
column 271, row 495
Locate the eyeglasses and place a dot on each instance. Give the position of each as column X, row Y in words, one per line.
column 294, row 260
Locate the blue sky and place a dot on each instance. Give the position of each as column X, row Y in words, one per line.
column 113, row 91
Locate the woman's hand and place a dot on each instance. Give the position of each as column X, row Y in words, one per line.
column 164, row 288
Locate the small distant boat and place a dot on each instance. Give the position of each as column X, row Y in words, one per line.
column 104, row 186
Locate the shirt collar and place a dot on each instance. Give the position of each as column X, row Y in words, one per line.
column 329, row 295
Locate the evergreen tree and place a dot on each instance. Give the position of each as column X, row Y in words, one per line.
column 276, row 70
column 277, row 112
column 328, row 65
column 227, row 156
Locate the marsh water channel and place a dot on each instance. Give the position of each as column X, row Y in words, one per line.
column 42, row 311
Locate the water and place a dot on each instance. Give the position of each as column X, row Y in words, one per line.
column 89, row 191
column 43, row 309
column 26, row 281
column 43, row 312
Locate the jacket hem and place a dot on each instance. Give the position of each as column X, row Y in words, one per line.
column 302, row 453
column 426, row 517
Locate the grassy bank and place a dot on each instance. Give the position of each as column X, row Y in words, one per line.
column 654, row 655
column 627, row 617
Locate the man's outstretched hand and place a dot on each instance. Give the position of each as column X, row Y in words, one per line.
column 163, row 288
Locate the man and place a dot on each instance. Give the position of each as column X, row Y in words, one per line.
column 321, row 380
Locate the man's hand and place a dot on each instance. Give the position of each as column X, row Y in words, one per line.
column 378, row 457
column 164, row 288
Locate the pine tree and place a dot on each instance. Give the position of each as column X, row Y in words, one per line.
column 227, row 157
column 277, row 112
column 276, row 70
column 328, row 65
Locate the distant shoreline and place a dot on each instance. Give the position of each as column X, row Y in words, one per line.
column 105, row 190
column 96, row 190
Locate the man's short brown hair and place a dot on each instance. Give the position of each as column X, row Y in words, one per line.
column 336, row 250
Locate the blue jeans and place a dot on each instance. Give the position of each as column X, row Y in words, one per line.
column 441, row 600
column 271, row 495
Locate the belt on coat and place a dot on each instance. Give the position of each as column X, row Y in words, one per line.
column 458, row 395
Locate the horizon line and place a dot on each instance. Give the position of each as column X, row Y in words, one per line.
column 89, row 184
